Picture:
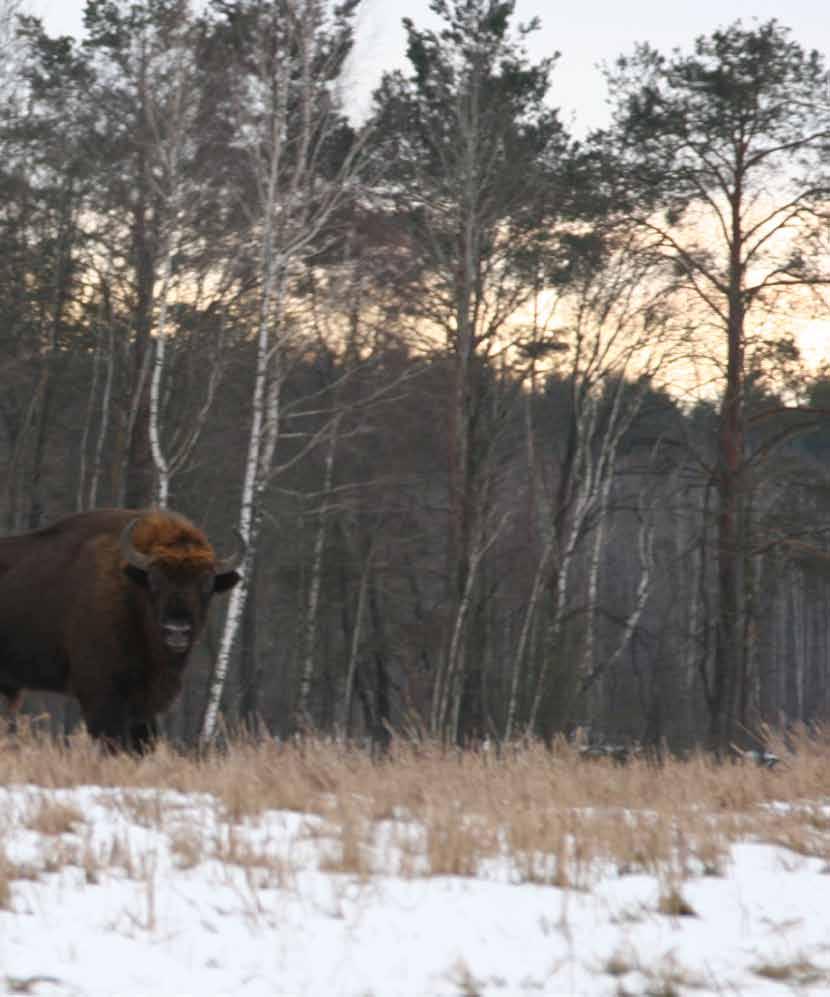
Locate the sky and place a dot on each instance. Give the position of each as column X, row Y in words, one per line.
column 154, row 892
column 586, row 34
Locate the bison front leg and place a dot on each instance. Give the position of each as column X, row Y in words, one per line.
column 143, row 736
column 14, row 702
column 118, row 729
column 108, row 721
column 114, row 718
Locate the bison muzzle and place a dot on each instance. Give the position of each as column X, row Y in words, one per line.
column 106, row 606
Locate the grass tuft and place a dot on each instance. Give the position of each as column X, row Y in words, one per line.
column 53, row 817
column 672, row 903
column 6, row 874
column 798, row 971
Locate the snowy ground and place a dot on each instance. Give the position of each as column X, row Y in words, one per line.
column 137, row 893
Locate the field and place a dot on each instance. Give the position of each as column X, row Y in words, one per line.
column 309, row 869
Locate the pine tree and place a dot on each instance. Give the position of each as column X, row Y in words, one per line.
column 725, row 168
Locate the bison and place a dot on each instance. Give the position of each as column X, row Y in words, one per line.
column 106, row 606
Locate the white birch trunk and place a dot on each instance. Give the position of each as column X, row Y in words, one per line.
column 619, row 422
column 87, row 492
column 583, row 485
column 588, row 653
column 316, row 582
column 184, row 446
column 645, row 549
column 251, row 485
column 159, row 459
column 170, row 137
column 799, row 640
column 265, row 412
column 88, row 420
column 562, row 583
column 527, row 628
column 454, row 656
column 593, row 477
column 103, row 425
column 288, row 228
column 132, row 418
column 448, row 699
column 357, row 636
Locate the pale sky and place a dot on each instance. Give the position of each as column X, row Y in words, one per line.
column 586, row 32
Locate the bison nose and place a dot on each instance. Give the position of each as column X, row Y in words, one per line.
column 177, row 634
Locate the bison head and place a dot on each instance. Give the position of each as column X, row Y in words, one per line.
column 180, row 577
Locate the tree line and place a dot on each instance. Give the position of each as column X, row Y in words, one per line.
column 514, row 426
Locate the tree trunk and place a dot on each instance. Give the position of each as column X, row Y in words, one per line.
column 354, row 647
column 160, row 462
column 729, row 644
column 382, row 712
column 315, row 584
column 250, row 677
column 138, row 476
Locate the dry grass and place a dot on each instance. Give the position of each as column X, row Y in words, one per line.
column 457, row 841
column 6, row 875
column 350, row 833
column 52, row 817
column 665, row 977
column 670, row 978
column 557, row 818
column 187, row 847
column 11, row 871
column 673, row 904
column 262, row 868
column 798, row 971
column 621, row 962
column 463, row 981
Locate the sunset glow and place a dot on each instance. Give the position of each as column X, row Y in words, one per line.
column 814, row 342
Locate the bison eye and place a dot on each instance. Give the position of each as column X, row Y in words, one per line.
column 149, row 578
column 138, row 575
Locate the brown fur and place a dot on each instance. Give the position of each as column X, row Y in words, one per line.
column 14, row 703
column 76, row 618
column 172, row 540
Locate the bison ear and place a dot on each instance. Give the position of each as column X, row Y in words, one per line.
column 226, row 580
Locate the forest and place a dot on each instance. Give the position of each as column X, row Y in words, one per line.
column 515, row 424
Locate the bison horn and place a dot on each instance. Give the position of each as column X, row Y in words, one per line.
column 230, row 563
column 128, row 550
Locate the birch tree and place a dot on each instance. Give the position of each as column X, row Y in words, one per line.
column 476, row 152
column 120, row 45
column 170, row 106
column 307, row 670
column 619, row 341
column 173, row 94
column 99, row 403
column 301, row 161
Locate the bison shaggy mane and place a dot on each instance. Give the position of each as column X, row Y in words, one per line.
column 170, row 539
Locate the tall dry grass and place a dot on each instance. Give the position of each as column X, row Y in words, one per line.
column 447, row 812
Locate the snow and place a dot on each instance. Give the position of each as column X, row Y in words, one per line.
column 136, row 893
